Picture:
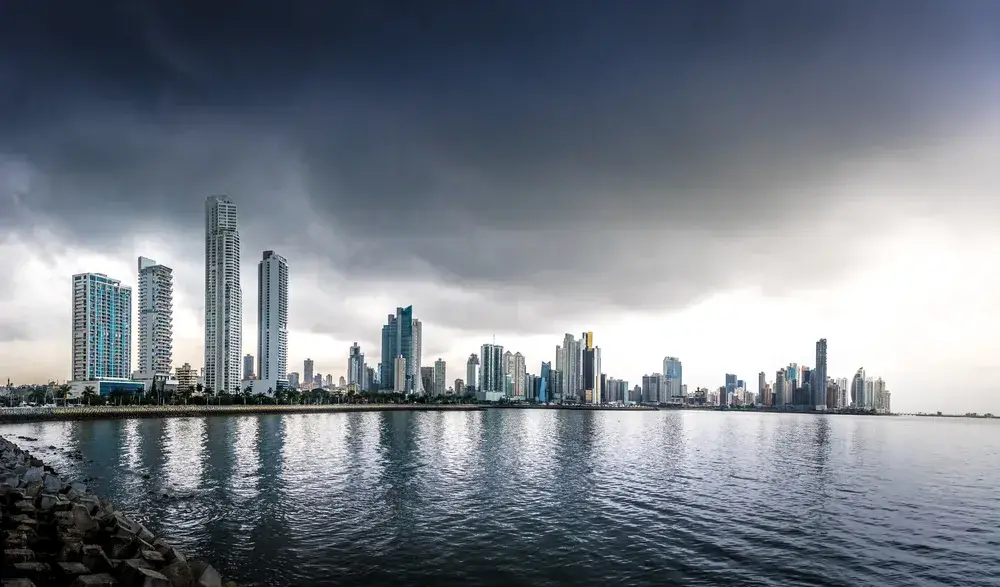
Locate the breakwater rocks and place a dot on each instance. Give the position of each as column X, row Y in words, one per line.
column 56, row 534
column 11, row 415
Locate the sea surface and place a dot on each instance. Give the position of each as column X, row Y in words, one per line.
column 544, row 497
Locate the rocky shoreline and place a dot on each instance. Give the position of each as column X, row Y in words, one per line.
column 20, row 415
column 56, row 534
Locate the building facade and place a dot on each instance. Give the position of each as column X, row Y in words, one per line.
column 440, row 380
column 491, row 381
column 471, row 374
column 356, row 372
column 156, row 319
column 272, row 321
column 673, row 374
column 102, row 328
column 223, row 296
column 817, row 380
column 248, row 367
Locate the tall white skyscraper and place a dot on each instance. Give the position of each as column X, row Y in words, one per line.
column 156, row 318
column 471, row 373
column 223, row 296
column 102, row 328
column 413, row 367
column 572, row 367
column 272, row 321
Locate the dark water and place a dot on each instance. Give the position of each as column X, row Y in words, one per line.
column 511, row 497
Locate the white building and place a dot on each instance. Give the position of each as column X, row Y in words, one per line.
column 399, row 374
column 223, row 296
column 414, row 366
column 156, row 319
column 272, row 321
column 102, row 328
column 439, row 377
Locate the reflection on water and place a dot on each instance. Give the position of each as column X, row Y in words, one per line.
column 533, row 497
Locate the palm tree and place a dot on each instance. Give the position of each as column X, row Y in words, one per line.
column 88, row 392
column 38, row 395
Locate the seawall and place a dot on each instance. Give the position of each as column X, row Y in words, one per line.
column 56, row 534
column 14, row 415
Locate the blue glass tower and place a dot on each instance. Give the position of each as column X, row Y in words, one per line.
column 543, row 386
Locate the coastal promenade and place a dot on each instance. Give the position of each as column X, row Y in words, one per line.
column 43, row 414
column 57, row 534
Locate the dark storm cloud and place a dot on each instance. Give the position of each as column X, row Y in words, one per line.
column 574, row 148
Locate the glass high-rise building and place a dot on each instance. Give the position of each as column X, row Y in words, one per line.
column 272, row 321
column 401, row 337
column 673, row 374
column 543, row 385
column 102, row 328
column 818, row 382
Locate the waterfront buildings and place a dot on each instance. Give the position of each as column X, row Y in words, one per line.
column 673, row 374
column 293, row 380
column 223, row 295
column 732, row 384
column 427, row 378
column 399, row 374
column 156, row 307
column 248, row 372
column 307, row 371
column 459, row 388
column 356, row 372
column 591, row 370
column 858, row 389
column 187, row 378
column 818, row 378
column 272, row 323
column 568, row 362
column 545, row 376
column 401, row 336
column 491, row 383
column 654, row 389
column 472, row 373
column 439, row 377
column 102, row 328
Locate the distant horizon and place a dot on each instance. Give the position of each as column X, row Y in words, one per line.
column 725, row 183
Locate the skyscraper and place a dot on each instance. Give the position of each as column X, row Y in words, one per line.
column 673, row 375
column 156, row 318
column 571, row 368
column 731, row 386
column 591, row 370
column 543, row 386
column 248, row 371
column 471, row 373
column 491, row 386
column 356, row 367
column 401, row 337
column 818, row 381
column 223, row 296
column 439, row 377
column 102, row 328
column 399, row 375
column 307, row 371
column 272, row 321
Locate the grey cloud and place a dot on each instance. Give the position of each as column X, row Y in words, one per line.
column 607, row 158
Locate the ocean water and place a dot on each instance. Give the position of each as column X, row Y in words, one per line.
column 542, row 497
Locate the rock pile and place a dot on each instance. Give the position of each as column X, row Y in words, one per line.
column 56, row 534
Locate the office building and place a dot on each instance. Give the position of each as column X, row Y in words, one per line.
column 427, row 378
column 732, row 384
column 471, row 373
column 491, row 381
column 858, row 389
column 544, row 380
column 654, row 389
column 439, row 377
column 401, row 336
column 356, row 373
column 307, row 371
column 673, row 374
column 102, row 328
column 248, row 372
column 293, row 380
column 223, row 296
column 818, row 378
column 399, row 374
column 568, row 362
column 459, row 388
column 591, row 370
column 156, row 319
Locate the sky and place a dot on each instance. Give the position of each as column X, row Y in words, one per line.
column 725, row 182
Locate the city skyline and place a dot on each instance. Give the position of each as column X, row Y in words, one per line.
column 680, row 185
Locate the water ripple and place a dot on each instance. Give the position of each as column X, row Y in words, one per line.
column 518, row 497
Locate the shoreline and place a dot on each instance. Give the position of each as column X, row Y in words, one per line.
column 57, row 533
column 76, row 413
